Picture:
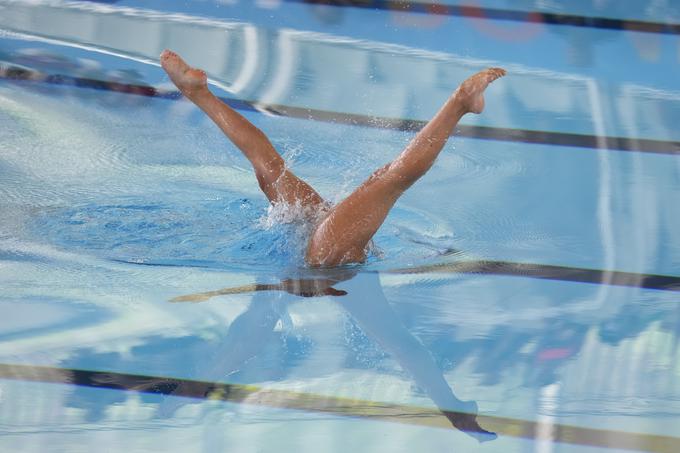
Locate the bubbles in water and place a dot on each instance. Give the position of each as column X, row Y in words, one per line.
column 296, row 222
column 213, row 233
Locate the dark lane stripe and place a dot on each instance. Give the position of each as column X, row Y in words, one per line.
column 478, row 12
column 549, row 272
column 567, row 139
column 489, row 267
column 344, row 407
column 478, row 132
column 484, row 132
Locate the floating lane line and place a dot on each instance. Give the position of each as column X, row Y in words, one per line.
column 342, row 407
column 498, row 268
column 13, row 72
column 550, row 272
column 473, row 11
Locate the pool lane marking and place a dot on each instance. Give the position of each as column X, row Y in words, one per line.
column 477, row 132
column 9, row 72
column 342, row 407
column 490, row 267
column 549, row 272
column 479, row 12
column 481, row 132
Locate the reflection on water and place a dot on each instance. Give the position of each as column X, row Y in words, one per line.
column 548, row 353
column 365, row 302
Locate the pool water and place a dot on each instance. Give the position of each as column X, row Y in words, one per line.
column 522, row 296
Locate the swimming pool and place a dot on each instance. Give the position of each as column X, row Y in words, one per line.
column 151, row 302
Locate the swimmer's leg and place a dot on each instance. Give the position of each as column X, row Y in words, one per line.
column 277, row 182
column 343, row 235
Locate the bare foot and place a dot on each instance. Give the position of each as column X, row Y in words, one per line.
column 468, row 424
column 190, row 81
column 470, row 92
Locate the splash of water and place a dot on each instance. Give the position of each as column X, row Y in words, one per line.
column 296, row 222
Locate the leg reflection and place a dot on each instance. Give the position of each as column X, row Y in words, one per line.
column 367, row 304
column 362, row 296
column 246, row 337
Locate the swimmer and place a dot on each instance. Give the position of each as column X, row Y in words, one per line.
column 343, row 234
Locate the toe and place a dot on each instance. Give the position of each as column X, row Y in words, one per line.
column 498, row 72
column 168, row 54
column 493, row 74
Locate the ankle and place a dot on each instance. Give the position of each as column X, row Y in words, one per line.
column 456, row 104
column 197, row 94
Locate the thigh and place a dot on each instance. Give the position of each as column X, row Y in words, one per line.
column 343, row 235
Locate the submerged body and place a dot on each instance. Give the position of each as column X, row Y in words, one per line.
column 343, row 233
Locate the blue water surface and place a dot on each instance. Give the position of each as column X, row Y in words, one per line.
column 136, row 247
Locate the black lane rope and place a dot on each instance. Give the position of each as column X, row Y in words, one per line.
column 477, row 132
column 342, row 407
column 479, row 12
column 550, row 272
